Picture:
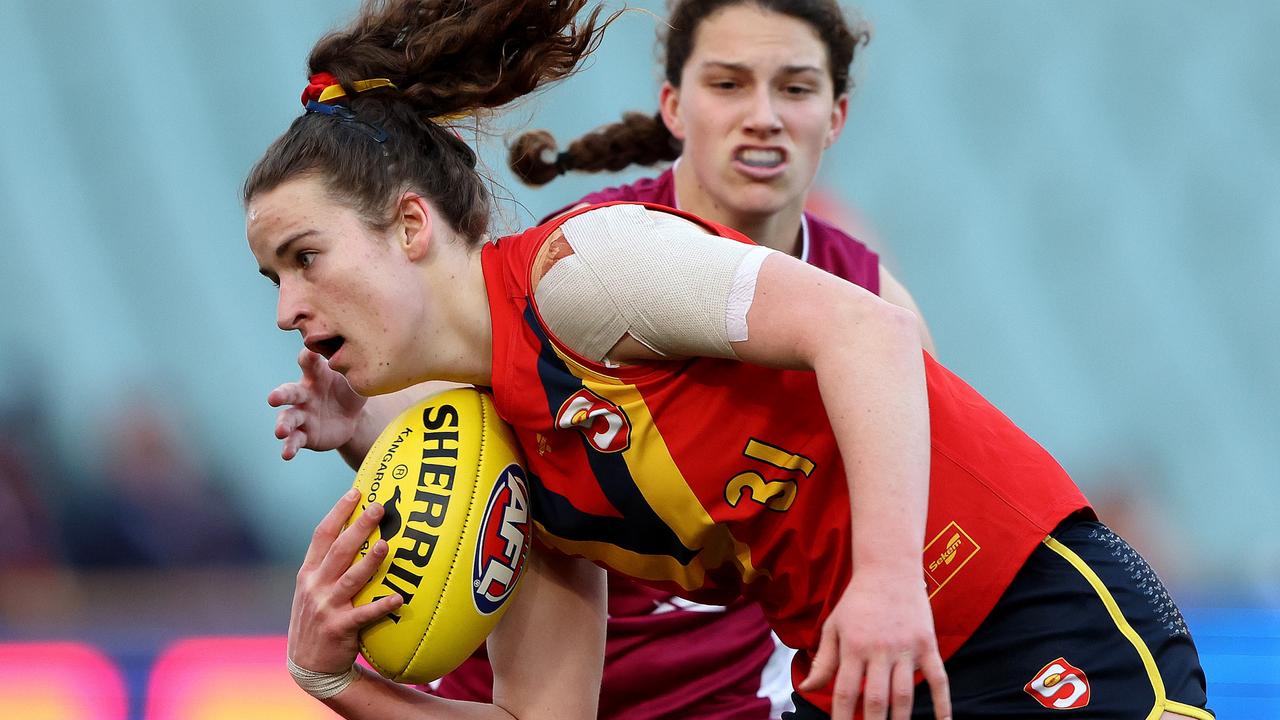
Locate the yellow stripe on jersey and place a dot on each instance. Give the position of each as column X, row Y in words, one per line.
column 637, row 565
column 665, row 490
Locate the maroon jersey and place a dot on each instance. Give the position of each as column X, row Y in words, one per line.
column 665, row 658
column 713, row 479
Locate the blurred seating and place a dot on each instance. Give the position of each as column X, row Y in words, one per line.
column 156, row 501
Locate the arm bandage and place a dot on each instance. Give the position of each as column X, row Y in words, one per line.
column 664, row 280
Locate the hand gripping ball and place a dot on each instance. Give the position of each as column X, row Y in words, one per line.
column 457, row 527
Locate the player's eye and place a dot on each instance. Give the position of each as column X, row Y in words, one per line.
column 306, row 257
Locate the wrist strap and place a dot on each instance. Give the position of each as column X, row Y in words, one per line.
column 321, row 685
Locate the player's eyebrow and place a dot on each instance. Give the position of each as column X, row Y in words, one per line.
column 743, row 67
column 283, row 249
column 284, row 246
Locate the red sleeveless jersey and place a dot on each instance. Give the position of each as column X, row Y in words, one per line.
column 714, row 479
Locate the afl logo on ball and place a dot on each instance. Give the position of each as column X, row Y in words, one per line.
column 502, row 545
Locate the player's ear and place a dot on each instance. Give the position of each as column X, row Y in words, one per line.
column 669, row 105
column 415, row 225
column 839, row 114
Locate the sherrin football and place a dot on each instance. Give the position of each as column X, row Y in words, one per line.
column 457, row 527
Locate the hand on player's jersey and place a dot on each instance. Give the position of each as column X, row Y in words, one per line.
column 323, row 625
column 877, row 636
column 320, row 411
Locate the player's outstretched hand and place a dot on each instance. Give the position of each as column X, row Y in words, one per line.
column 877, row 636
column 320, row 411
column 323, row 625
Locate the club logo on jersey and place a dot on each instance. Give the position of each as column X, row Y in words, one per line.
column 949, row 551
column 1060, row 686
column 502, row 548
column 602, row 422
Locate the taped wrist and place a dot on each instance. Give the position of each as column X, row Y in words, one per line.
column 664, row 280
column 321, row 685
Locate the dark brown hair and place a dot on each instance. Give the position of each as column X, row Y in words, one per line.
column 446, row 58
column 644, row 139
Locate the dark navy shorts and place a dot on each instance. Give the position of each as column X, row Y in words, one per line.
column 1085, row 630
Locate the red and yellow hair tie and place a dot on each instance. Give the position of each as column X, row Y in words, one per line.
column 323, row 87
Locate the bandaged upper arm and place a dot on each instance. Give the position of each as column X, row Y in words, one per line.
column 664, row 280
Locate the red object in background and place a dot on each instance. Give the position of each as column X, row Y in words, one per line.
column 60, row 680
column 236, row 678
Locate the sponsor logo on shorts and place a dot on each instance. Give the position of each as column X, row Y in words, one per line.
column 603, row 423
column 945, row 555
column 501, row 548
column 1060, row 686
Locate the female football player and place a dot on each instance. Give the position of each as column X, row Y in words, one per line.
column 750, row 426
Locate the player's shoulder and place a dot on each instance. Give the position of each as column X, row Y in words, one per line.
column 823, row 232
column 651, row 189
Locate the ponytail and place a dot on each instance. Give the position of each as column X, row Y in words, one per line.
column 638, row 139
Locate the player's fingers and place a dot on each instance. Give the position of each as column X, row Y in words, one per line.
column 845, row 692
column 825, row 660
column 343, row 550
column 902, row 687
column 292, row 444
column 875, row 689
column 935, row 673
column 358, row 575
column 364, row 614
column 311, row 363
column 288, row 420
column 328, row 528
column 291, row 393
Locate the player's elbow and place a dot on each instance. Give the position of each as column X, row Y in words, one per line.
column 861, row 318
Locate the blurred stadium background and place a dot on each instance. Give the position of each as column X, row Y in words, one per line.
column 1084, row 198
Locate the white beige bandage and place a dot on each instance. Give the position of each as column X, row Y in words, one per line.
column 664, row 280
column 321, row 685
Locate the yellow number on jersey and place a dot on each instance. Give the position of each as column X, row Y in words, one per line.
column 773, row 494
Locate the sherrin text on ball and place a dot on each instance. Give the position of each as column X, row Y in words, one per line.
column 449, row 475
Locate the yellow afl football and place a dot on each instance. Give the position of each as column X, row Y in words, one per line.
column 457, row 526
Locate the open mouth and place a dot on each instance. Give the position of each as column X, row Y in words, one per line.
column 328, row 347
column 763, row 158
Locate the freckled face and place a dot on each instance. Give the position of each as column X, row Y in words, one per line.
column 755, row 109
column 349, row 291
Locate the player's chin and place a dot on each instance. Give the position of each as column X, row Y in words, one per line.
column 764, row 198
column 360, row 380
column 369, row 384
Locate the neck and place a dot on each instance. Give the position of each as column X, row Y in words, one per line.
column 462, row 349
column 779, row 230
